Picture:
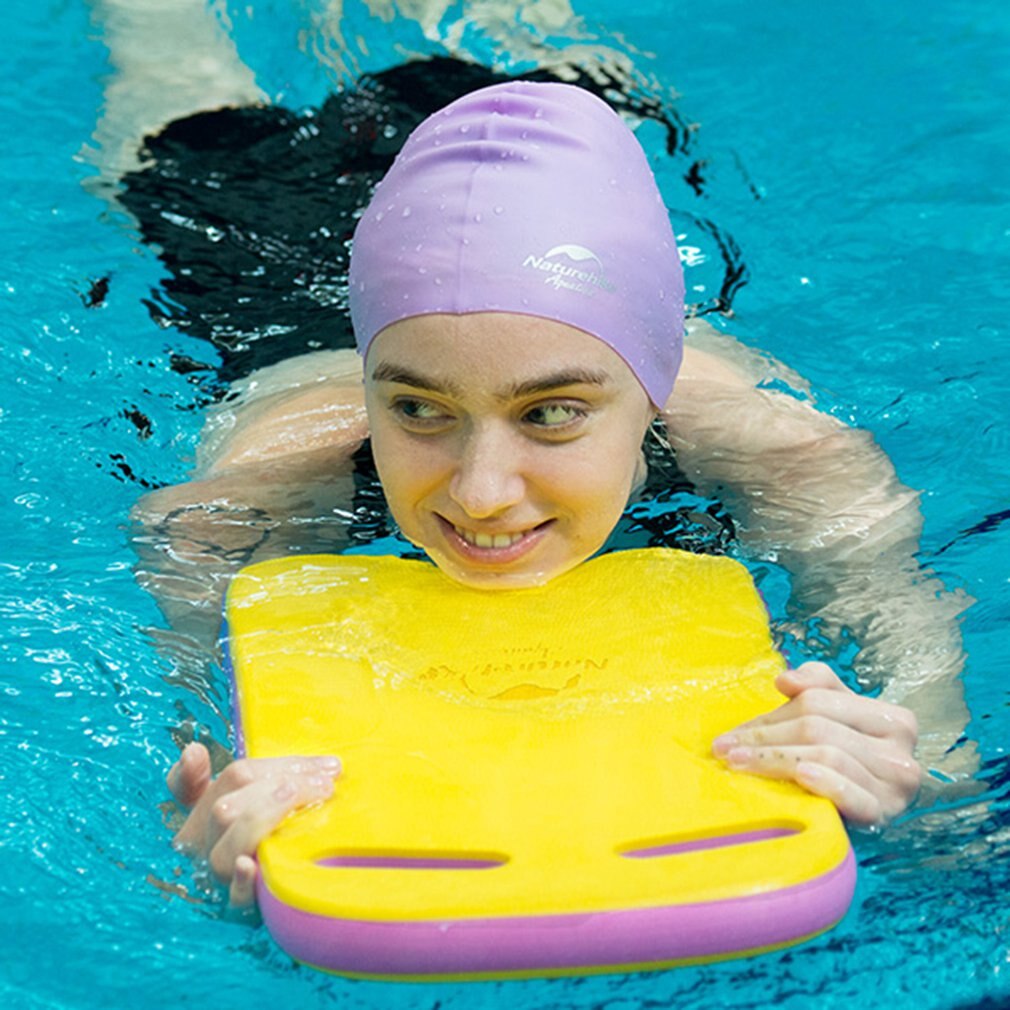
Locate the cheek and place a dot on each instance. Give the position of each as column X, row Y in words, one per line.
column 595, row 483
column 615, row 469
column 390, row 455
column 409, row 469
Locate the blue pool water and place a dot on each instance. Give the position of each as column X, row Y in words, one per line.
column 857, row 154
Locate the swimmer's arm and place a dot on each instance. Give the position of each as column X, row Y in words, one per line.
column 824, row 500
column 274, row 466
column 308, row 404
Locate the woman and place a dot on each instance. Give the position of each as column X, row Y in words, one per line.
column 518, row 302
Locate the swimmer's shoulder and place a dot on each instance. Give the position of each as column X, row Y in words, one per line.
column 305, row 405
column 712, row 357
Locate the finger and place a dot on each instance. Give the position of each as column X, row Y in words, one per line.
column 885, row 758
column 862, row 794
column 194, row 836
column 826, row 693
column 201, row 831
column 856, row 804
column 809, row 675
column 242, row 892
column 190, row 775
column 826, row 689
column 244, row 818
column 783, row 763
column 866, row 808
column 869, row 716
column 198, row 834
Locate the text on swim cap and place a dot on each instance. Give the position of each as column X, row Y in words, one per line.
column 564, row 275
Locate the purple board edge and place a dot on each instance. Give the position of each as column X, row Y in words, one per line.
column 556, row 943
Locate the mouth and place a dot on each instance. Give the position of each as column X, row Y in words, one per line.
column 493, row 548
column 485, row 540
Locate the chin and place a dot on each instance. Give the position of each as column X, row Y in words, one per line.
column 489, row 579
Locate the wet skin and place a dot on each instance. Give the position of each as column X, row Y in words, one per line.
column 507, row 445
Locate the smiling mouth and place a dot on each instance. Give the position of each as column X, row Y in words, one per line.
column 485, row 540
column 478, row 545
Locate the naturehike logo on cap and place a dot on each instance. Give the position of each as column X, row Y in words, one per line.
column 560, row 274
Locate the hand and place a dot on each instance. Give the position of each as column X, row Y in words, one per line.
column 856, row 751
column 230, row 815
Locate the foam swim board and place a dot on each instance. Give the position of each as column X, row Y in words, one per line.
column 528, row 787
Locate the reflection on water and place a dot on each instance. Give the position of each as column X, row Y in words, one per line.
column 99, row 402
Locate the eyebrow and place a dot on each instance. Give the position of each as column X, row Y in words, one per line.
column 387, row 371
column 558, row 380
column 391, row 372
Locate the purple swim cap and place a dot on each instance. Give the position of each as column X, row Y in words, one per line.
column 533, row 199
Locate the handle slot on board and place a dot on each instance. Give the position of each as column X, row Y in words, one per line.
column 412, row 860
column 739, row 834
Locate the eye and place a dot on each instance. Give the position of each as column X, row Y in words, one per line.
column 554, row 415
column 419, row 413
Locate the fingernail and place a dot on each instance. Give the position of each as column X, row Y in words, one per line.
column 327, row 764
column 722, row 745
column 807, row 772
column 739, row 757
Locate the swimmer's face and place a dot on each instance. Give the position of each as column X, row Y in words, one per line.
column 507, row 445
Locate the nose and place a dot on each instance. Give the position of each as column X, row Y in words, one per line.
column 487, row 479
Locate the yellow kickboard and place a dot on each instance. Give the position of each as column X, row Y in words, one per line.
column 521, row 764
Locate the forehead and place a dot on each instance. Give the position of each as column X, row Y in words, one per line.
column 503, row 349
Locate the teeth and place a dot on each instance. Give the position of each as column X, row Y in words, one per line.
column 489, row 539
